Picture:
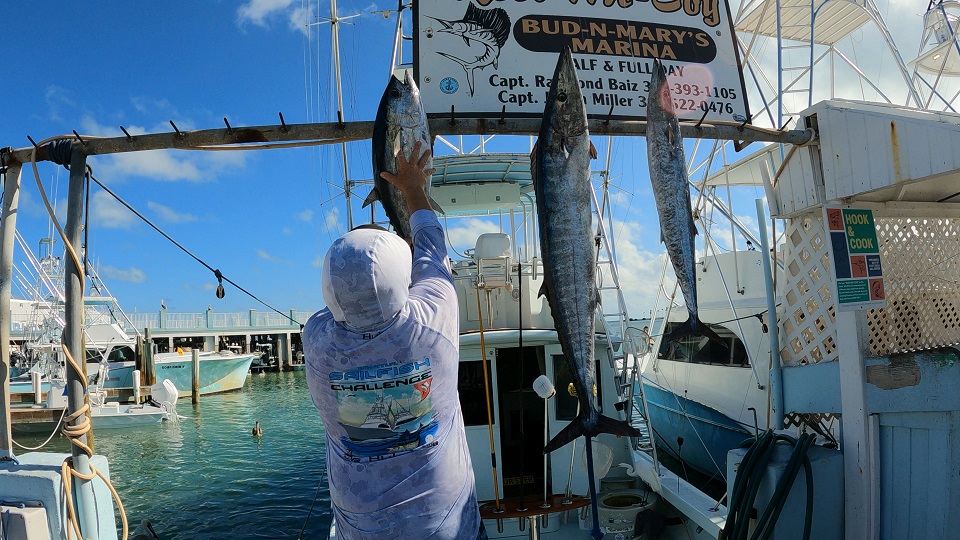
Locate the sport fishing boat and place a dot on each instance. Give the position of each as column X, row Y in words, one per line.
column 220, row 371
column 708, row 397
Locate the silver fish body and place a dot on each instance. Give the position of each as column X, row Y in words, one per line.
column 399, row 125
column 560, row 166
column 671, row 190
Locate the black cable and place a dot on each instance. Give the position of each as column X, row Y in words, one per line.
column 316, row 495
column 216, row 272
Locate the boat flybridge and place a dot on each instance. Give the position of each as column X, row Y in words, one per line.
column 509, row 353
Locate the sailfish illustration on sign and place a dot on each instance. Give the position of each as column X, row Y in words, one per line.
column 483, row 31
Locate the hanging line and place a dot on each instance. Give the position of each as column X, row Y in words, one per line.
column 216, row 271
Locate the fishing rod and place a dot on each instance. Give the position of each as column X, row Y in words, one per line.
column 486, row 393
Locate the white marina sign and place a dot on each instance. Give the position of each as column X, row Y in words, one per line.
column 496, row 57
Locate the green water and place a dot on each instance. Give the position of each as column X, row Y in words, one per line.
column 208, row 477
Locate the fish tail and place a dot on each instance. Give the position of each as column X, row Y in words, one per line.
column 604, row 424
column 620, row 428
column 695, row 327
column 568, row 434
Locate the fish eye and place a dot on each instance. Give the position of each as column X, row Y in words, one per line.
column 394, row 93
column 561, row 97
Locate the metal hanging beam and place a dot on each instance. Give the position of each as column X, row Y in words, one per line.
column 245, row 138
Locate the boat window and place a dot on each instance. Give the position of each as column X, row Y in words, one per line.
column 94, row 356
column 122, row 354
column 565, row 403
column 471, row 386
column 700, row 350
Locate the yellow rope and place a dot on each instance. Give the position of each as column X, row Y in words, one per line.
column 76, row 433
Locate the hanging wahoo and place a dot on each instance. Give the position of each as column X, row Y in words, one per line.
column 560, row 166
column 668, row 174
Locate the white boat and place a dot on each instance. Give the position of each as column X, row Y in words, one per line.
column 109, row 415
column 220, row 371
column 697, row 392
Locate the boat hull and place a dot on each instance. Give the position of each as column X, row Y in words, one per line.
column 707, row 433
column 218, row 373
column 114, row 416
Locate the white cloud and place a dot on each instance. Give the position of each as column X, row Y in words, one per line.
column 106, row 212
column 132, row 274
column 169, row 165
column 260, row 12
column 268, row 257
column 331, row 220
column 170, row 215
column 639, row 270
column 306, row 215
column 317, row 262
column 465, row 234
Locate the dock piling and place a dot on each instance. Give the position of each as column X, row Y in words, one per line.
column 136, row 387
column 195, row 380
column 150, row 369
column 35, row 377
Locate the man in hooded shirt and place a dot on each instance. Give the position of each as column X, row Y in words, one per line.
column 382, row 365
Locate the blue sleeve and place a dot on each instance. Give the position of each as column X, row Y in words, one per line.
column 429, row 248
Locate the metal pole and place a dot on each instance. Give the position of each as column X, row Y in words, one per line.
column 11, row 198
column 776, row 380
column 195, row 377
column 335, row 36
column 73, row 341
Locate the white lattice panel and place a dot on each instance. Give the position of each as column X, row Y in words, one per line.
column 806, row 312
column 921, row 271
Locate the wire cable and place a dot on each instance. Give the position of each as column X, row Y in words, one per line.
column 216, row 271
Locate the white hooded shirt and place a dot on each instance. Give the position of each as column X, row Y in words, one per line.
column 382, row 365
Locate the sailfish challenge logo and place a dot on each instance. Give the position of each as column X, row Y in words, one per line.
column 484, row 32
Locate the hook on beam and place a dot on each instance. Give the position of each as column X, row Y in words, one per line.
column 176, row 129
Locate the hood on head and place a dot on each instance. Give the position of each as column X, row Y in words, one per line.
column 366, row 277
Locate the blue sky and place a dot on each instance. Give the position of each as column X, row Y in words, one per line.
column 264, row 218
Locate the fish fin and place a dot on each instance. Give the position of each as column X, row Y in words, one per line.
column 568, row 434
column 620, row 428
column 434, row 205
column 599, row 298
column 495, row 20
column 543, row 290
column 662, row 239
column 496, row 62
column 575, row 429
column 593, row 151
column 466, row 41
column 397, row 148
column 670, row 136
column 695, row 327
column 373, row 196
